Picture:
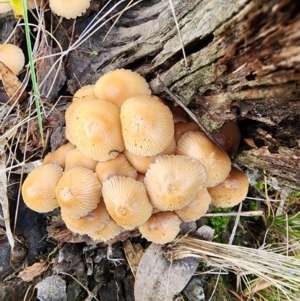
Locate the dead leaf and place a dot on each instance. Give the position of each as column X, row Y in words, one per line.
column 29, row 273
column 12, row 85
column 133, row 253
column 157, row 279
column 52, row 288
column 250, row 143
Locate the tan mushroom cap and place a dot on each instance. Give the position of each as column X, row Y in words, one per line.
column 216, row 162
column 118, row 166
column 85, row 92
column 141, row 164
column 78, row 192
column 183, row 127
column 69, row 9
column 12, row 57
column 147, row 125
column 38, row 189
column 110, row 231
column 196, row 208
column 58, row 156
column 32, row 4
column 96, row 129
column 126, row 201
column 173, row 181
column 231, row 191
column 118, row 85
column 76, row 158
column 5, row 7
column 93, row 221
column 161, row 228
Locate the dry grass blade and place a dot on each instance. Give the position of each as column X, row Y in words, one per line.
column 280, row 271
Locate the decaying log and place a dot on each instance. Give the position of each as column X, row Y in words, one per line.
column 243, row 60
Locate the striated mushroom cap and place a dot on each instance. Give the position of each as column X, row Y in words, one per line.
column 13, row 57
column 85, row 92
column 38, row 189
column 69, row 9
column 76, row 158
column 173, row 181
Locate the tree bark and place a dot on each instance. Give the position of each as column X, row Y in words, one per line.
column 242, row 64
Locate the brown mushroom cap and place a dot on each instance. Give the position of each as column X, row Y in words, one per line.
column 173, row 181
column 85, row 92
column 118, row 166
column 76, row 158
column 161, row 228
column 96, row 129
column 141, row 164
column 229, row 137
column 38, row 189
column 196, row 208
column 93, row 221
column 183, row 127
column 118, row 85
column 216, row 162
column 78, row 192
column 32, row 4
column 126, row 201
column 231, row 191
column 147, row 125
column 12, row 57
column 110, row 230
column 58, row 156
column 69, row 9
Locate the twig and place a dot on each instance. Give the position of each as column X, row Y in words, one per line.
column 247, row 213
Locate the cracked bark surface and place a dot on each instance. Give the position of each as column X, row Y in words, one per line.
column 242, row 64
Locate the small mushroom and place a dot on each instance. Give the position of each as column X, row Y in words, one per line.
column 173, row 181
column 118, row 85
column 69, row 9
column 38, row 189
column 85, row 92
column 78, row 192
column 5, row 7
column 183, row 127
column 216, row 162
column 161, row 228
column 147, row 125
column 231, row 191
column 126, row 201
column 32, row 4
column 76, row 158
column 12, row 57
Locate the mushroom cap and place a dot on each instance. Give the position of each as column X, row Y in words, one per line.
column 183, row 127
column 5, row 7
column 58, row 156
column 118, row 166
column 147, row 125
column 32, row 4
column 196, row 208
column 78, row 192
column 110, row 230
column 118, row 85
column 173, row 181
column 69, row 9
column 93, row 221
column 216, row 162
column 13, row 57
column 76, row 158
column 141, row 164
column 161, row 228
column 96, row 129
column 38, row 189
column 85, row 92
column 126, row 201
column 231, row 191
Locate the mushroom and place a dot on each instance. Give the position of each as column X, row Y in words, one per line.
column 126, row 201
column 147, row 125
column 118, row 166
column 183, row 127
column 96, row 130
column 231, row 191
column 85, row 92
column 78, row 192
column 229, row 137
column 110, row 230
column 76, row 158
column 93, row 221
column 196, row 208
column 216, row 162
column 141, row 164
column 69, row 9
column 118, row 85
column 173, row 181
column 58, row 156
column 12, row 57
column 5, row 7
column 32, row 4
column 38, row 189
column 161, row 228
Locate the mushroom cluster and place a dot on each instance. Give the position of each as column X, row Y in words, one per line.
column 132, row 161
